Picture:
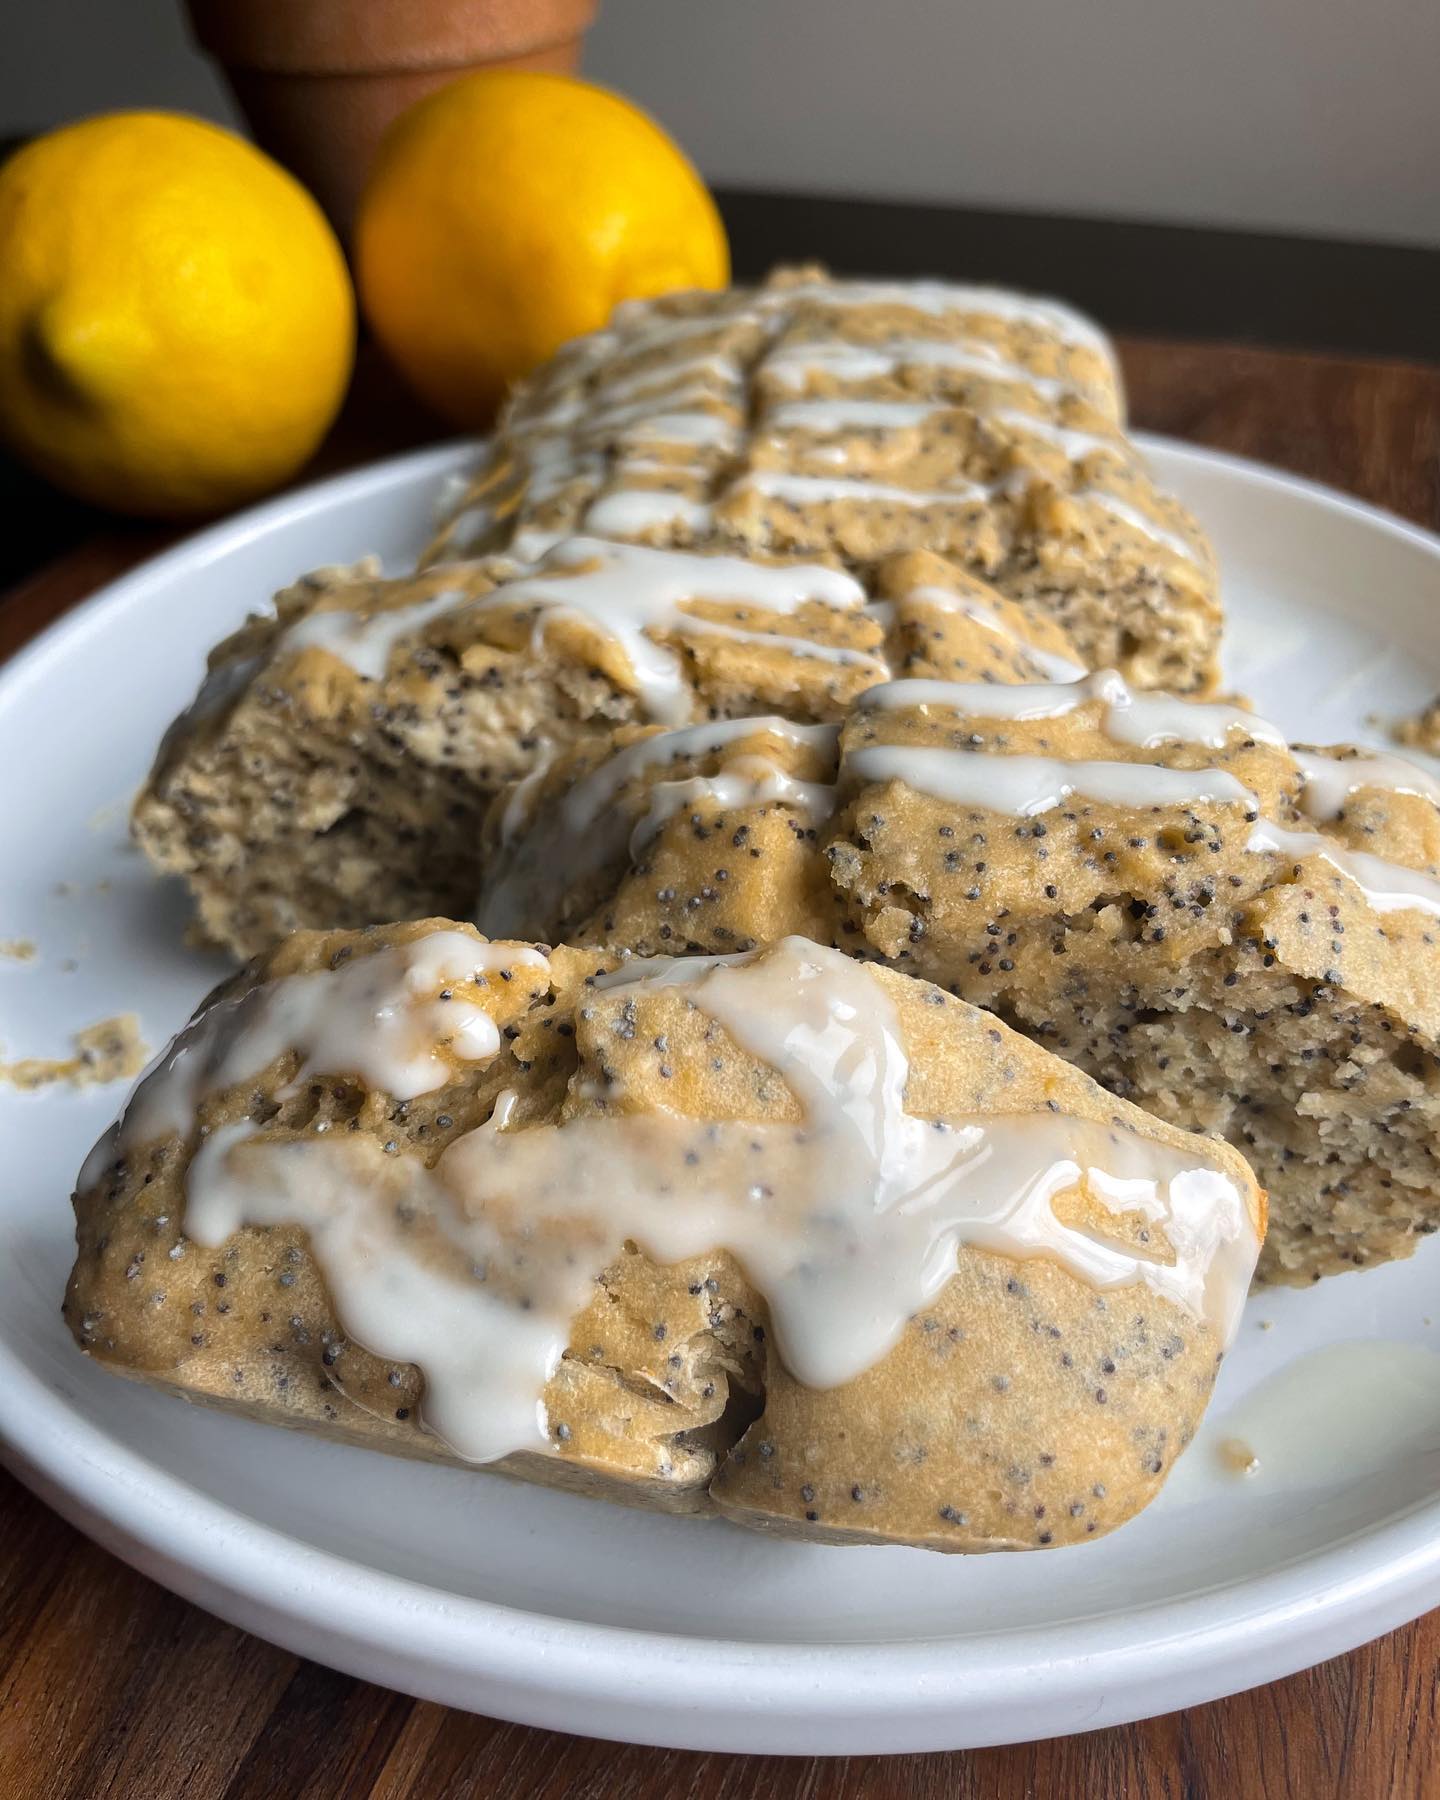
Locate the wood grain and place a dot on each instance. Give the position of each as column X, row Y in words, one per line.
column 113, row 1689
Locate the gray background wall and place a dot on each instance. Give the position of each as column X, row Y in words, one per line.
column 1306, row 115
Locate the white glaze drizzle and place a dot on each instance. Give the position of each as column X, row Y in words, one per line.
column 413, row 1295
column 653, row 383
column 471, row 523
column 1026, row 785
column 1149, row 719
column 559, row 442
column 588, row 799
column 551, row 464
column 628, row 511
column 706, row 430
column 996, row 700
column 1075, row 444
column 364, row 641
column 1331, row 780
column 791, row 365
column 628, row 591
column 453, row 490
column 970, row 606
column 845, row 656
column 849, row 1222
column 1385, row 886
column 937, row 298
column 586, row 830
column 531, row 422
column 514, row 815
column 589, row 419
column 745, row 781
column 644, row 462
column 657, row 331
column 846, row 414
column 532, row 543
column 1144, row 720
column 1140, row 522
column 377, row 1016
column 826, row 490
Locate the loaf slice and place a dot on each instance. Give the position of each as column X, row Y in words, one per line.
column 1241, row 937
column 812, row 416
column 788, row 1236
column 337, row 765
column 1245, row 939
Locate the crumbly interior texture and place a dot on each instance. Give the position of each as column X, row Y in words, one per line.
column 108, row 1050
column 795, row 423
column 302, row 791
column 1254, row 996
column 1421, row 730
column 716, row 879
column 1022, row 1409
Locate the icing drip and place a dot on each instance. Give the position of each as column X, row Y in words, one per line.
column 628, row 591
column 591, row 419
column 848, row 1221
column 842, row 655
column 1075, row 444
column 687, row 428
column 970, row 606
column 629, row 511
column 377, row 1016
column 825, row 490
column 1141, row 522
column 1026, row 785
column 858, row 415
column 938, row 298
column 651, row 384
column 752, row 780
column 364, row 640
column 791, row 365
column 1331, row 780
column 996, row 700
column 588, row 830
column 1149, row 719
column 1384, row 886
column 1144, row 720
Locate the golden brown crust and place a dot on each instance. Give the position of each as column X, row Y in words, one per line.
column 1021, row 1388
column 1255, row 996
column 1019, row 411
column 302, row 792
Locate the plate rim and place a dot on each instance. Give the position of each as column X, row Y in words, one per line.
column 910, row 1689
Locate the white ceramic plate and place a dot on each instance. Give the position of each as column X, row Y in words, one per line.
column 560, row 1612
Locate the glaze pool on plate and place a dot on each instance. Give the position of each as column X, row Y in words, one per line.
column 556, row 1611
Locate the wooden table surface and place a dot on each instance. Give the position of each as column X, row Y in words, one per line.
column 110, row 1687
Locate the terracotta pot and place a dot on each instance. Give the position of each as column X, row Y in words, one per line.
column 320, row 80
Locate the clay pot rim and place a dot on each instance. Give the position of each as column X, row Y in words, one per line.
column 341, row 37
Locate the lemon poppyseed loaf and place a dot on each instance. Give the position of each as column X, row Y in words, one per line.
column 786, row 1235
column 337, row 764
column 813, row 416
column 764, row 501
column 1239, row 936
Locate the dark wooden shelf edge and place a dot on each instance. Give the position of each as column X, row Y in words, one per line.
column 1176, row 281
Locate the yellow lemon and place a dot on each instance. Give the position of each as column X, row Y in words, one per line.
column 177, row 324
column 509, row 212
